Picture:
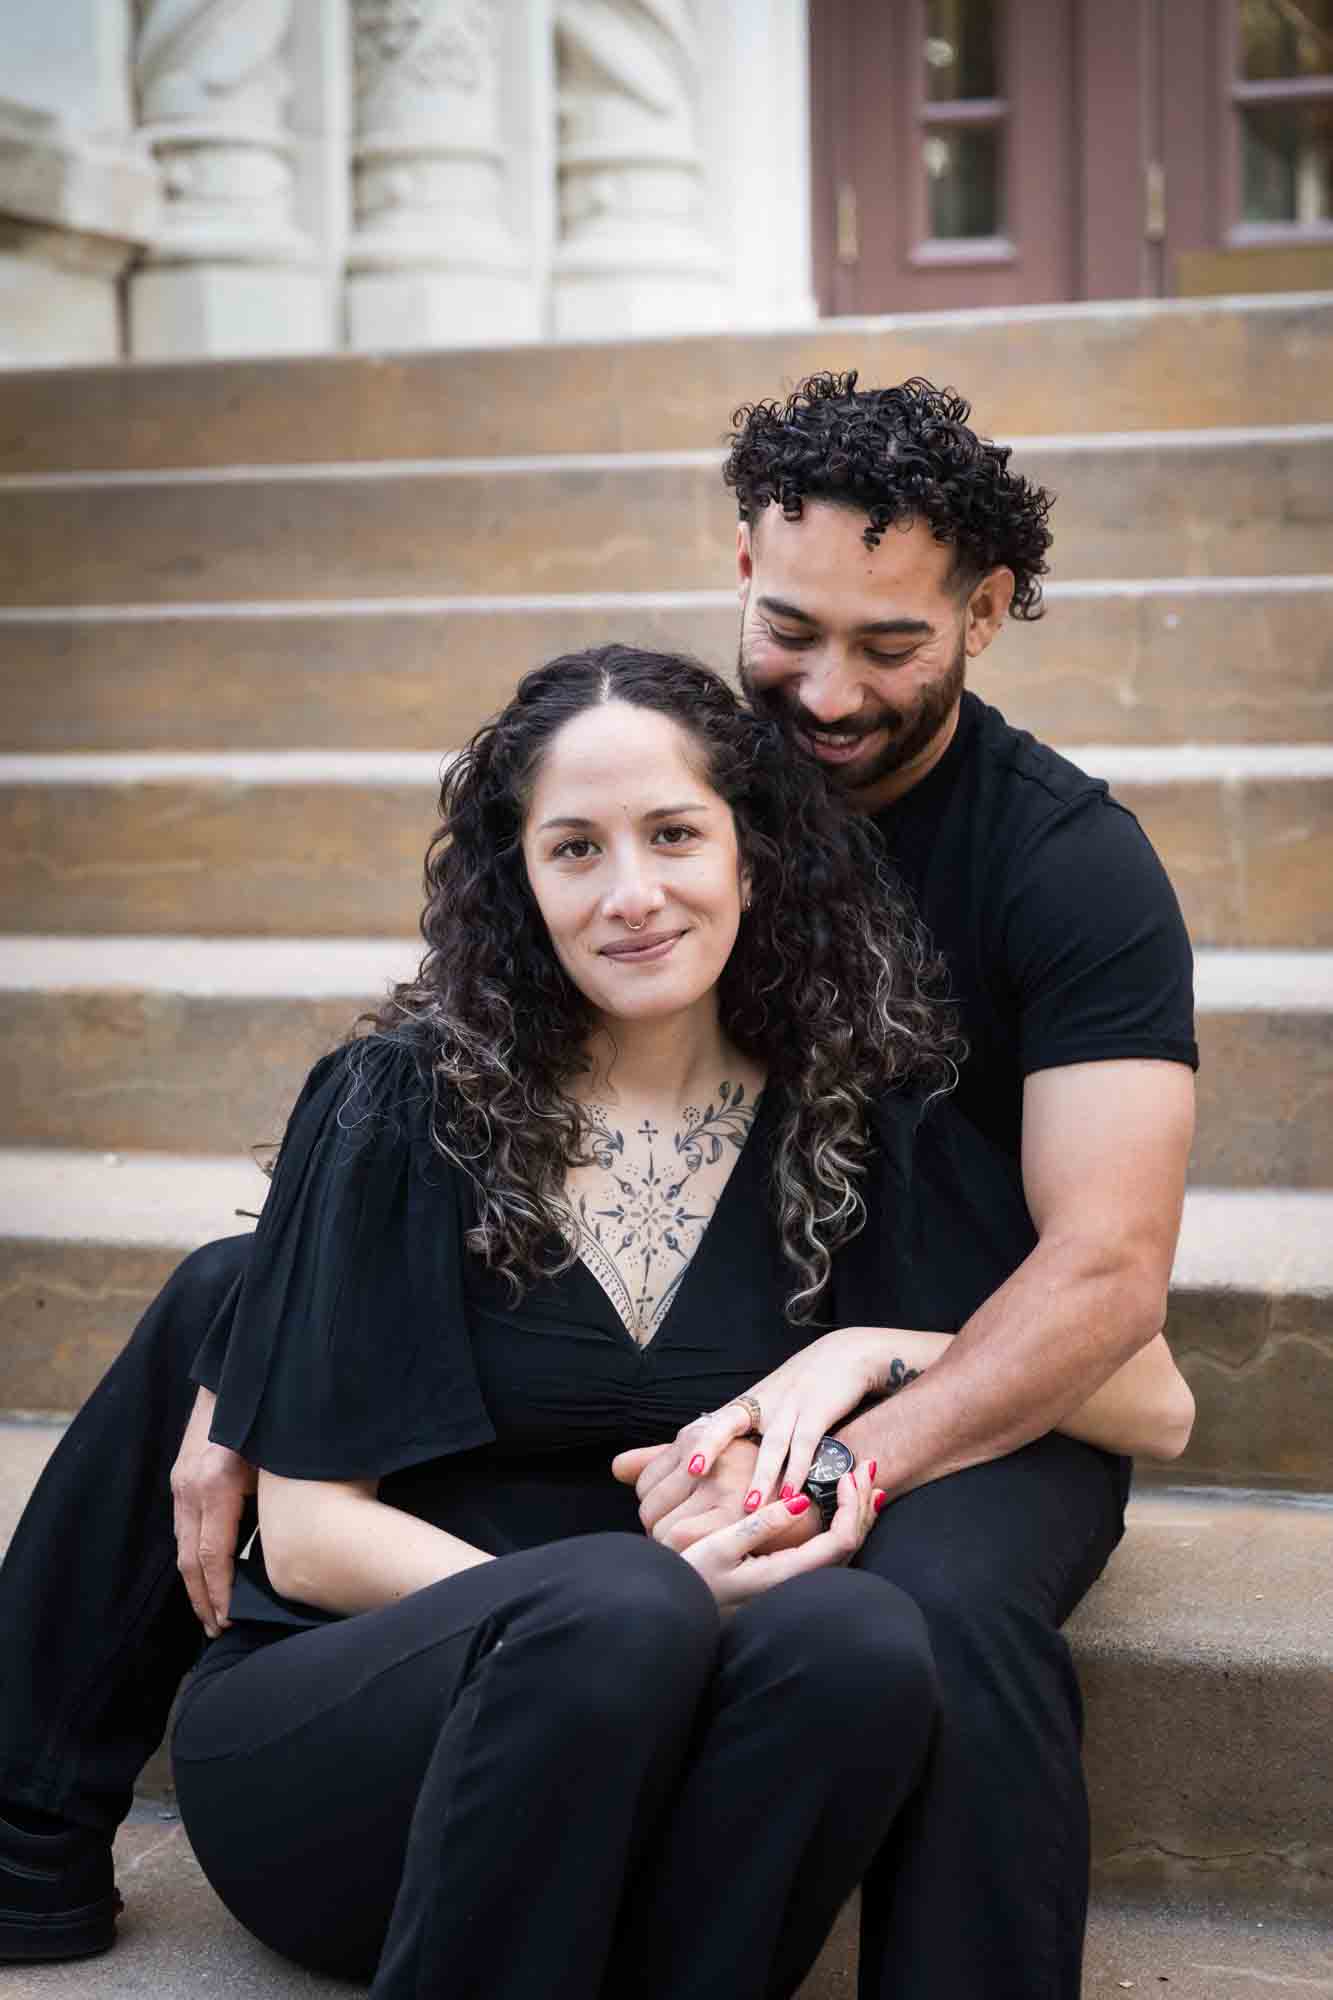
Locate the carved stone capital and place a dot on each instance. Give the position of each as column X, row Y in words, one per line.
column 631, row 184
column 213, row 84
column 427, row 160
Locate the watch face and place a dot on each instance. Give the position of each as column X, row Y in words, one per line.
column 832, row 1459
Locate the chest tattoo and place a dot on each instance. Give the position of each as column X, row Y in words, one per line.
column 643, row 1202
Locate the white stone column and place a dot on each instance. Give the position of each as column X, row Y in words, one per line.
column 634, row 254
column 78, row 193
column 229, row 272
column 754, row 124
column 434, row 260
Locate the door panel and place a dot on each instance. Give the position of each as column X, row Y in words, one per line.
column 944, row 153
column 1007, row 152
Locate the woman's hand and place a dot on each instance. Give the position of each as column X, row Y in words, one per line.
column 810, row 1395
column 742, row 1561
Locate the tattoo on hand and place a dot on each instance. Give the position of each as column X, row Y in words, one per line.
column 899, row 1376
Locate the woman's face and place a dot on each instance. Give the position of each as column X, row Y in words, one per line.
column 634, row 862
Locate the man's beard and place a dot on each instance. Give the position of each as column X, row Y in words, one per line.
column 909, row 731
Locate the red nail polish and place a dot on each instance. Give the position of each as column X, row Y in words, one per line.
column 874, row 1467
column 788, row 1492
column 880, row 1497
column 752, row 1499
column 697, row 1464
column 799, row 1504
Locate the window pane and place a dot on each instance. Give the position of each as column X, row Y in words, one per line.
column 963, row 179
column 1287, row 152
column 960, row 49
column 1286, row 38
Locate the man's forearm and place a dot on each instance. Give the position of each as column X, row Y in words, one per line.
column 1037, row 1349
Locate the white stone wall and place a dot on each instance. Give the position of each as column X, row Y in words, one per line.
column 190, row 178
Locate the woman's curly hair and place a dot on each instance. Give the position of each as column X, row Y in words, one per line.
column 897, row 455
column 830, row 985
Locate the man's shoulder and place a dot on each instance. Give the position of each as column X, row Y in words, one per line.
column 1025, row 774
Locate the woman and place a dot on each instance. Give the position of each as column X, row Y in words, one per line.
column 606, row 1162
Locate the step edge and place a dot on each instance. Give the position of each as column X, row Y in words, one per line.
column 503, row 465
column 1227, row 981
column 1147, row 766
column 228, row 610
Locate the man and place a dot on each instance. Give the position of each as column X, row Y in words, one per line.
column 881, row 546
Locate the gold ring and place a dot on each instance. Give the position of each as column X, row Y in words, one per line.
column 752, row 1411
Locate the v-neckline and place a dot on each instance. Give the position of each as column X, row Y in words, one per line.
column 671, row 1298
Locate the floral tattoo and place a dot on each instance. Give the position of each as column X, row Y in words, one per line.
column 653, row 1213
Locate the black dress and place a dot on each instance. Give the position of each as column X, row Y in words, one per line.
column 555, row 1773
column 368, row 1343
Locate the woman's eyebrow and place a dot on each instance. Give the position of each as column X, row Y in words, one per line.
column 582, row 825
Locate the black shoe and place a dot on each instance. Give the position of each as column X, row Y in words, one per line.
column 58, row 1895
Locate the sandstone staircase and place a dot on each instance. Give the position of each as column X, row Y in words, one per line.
column 248, row 607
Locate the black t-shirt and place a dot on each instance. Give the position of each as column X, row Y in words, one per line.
column 1063, row 937
column 367, row 1341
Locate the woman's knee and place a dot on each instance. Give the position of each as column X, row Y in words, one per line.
column 856, row 1645
column 640, row 1619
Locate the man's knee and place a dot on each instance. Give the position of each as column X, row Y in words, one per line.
column 198, row 1290
column 202, row 1281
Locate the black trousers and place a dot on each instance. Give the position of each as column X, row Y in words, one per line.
column 557, row 1776
column 979, row 1892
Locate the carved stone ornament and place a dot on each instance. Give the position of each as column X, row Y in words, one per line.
column 213, row 85
column 406, row 49
column 631, row 187
column 427, row 162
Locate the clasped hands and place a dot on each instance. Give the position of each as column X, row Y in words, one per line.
column 710, row 1493
column 732, row 1506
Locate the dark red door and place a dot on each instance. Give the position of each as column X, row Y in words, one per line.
column 1010, row 152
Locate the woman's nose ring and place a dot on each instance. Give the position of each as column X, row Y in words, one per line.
column 635, row 927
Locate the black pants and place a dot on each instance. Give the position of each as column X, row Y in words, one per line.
column 980, row 1891
column 557, row 1776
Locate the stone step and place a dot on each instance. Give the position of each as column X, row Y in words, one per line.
column 176, row 1940
column 1176, row 659
column 330, row 843
column 1204, row 1651
column 1242, row 502
column 1084, row 367
column 89, row 1238
column 132, row 1042
column 1251, row 1326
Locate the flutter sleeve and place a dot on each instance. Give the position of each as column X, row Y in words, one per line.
column 946, row 1221
column 348, row 1355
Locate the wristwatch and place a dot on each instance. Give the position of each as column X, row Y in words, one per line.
column 832, row 1458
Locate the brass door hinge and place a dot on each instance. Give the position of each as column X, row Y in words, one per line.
column 849, row 226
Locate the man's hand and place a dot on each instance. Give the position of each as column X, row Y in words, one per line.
column 209, row 1487
column 677, row 1506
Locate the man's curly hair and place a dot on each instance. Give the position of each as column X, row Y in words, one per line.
column 831, row 984
column 896, row 455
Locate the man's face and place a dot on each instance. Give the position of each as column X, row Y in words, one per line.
column 862, row 652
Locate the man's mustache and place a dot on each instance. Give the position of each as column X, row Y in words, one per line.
column 800, row 719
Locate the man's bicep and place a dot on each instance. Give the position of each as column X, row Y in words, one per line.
column 1105, row 1149
column 1094, row 947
